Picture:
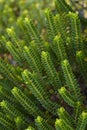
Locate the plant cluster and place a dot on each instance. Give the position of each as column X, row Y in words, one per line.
column 46, row 88
column 12, row 9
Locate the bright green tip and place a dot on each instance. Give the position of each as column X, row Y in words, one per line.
column 78, row 103
column 47, row 11
column 56, row 38
column 58, row 122
column 25, row 72
column 18, row 120
column 61, row 110
column 44, row 53
column 3, row 103
column 8, row 43
column 79, row 53
column 84, row 115
column 9, row 30
column 72, row 15
column 62, row 89
column 25, row 47
column 38, row 119
column 14, row 89
column 27, row 20
column 65, row 62
column 30, row 128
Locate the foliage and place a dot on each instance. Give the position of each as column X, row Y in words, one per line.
column 44, row 89
column 12, row 9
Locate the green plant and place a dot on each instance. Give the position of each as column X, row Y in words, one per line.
column 44, row 89
column 12, row 9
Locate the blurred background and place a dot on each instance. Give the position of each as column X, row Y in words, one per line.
column 11, row 10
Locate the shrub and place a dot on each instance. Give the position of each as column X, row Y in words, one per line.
column 45, row 89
